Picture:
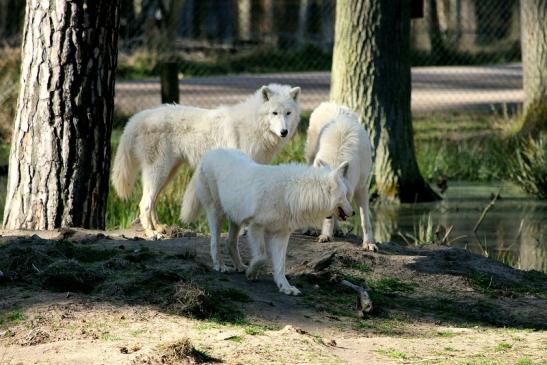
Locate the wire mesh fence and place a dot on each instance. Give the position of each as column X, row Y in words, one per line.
column 465, row 53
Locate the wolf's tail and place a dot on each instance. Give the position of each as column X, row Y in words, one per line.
column 125, row 166
column 191, row 206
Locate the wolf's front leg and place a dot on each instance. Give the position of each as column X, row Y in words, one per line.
column 255, row 237
column 327, row 230
column 277, row 246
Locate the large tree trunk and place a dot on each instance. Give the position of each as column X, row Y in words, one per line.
column 371, row 74
column 534, row 62
column 60, row 151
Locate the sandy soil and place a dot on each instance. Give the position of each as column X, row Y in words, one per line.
column 85, row 297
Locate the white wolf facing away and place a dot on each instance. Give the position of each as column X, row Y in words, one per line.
column 158, row 140
column 272, row 201
column 335, row 136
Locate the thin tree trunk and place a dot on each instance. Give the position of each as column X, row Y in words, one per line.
column 534, row 62
column 60, row 151
column 371, row 74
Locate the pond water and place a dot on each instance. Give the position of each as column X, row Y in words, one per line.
column 513, row 231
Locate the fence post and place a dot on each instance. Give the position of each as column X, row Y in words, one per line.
column 169, row 83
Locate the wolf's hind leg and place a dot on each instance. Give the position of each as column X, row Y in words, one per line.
column 362, row 199
column 255, row 237
column 154, row 178
column 233, row 249
column 215, row 224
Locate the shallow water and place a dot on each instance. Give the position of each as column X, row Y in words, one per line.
column 514, row 230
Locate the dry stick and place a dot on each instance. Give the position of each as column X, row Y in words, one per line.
column 485, row 211
column 364, row 304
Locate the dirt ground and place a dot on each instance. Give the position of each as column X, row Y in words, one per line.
column 86, row 297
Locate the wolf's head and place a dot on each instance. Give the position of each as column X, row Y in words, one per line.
column 339, row 193
column 280, row 106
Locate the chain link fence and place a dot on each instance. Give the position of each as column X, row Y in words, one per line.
column 465, row 53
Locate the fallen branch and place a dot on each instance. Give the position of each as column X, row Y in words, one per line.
column 364, row 304
column 485, row 211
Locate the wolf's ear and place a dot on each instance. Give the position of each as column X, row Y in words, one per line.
column 320, row 163
column 295, row 93
column 342, row 170
column 266, row 93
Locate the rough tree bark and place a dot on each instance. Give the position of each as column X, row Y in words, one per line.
column 60, row 151
column 371, row 74
column 534, row 62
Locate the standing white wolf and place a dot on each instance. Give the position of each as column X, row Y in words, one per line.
column 272, row 201
column 335, row 136
column 158, row 140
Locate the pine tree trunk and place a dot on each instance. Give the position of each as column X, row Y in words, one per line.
column 371, row 74
column 534, row 61
column 60, row 151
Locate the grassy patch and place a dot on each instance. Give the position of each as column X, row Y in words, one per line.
column 259, row 60
column 11, row 318
column 503, row 346
column 362, row 267
column 254, row 330
column 392, row 353
column 391, row 286
column 235, row 338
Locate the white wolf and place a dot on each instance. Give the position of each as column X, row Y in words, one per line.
column 272, row 201
column 158, row 140
column 335, row 136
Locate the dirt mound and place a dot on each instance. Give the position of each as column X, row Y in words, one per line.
column 180, row 352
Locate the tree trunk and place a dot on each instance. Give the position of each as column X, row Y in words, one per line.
column 60, row 151
column 534, row 62
column 371, row 74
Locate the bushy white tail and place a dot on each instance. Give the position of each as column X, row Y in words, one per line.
column 191, row 206
column 125, row 168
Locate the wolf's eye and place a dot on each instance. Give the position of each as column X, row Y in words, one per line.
column 288, row 113
column 274, row 113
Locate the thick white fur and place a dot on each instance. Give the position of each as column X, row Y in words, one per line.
column 158, row 140
column 272, row 201
column 335, row 136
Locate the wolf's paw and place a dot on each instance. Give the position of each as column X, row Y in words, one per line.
column 161, row 228
column 370, row 246
column 221, row 267
column 154, row 235
column 324, row 238
column 290, row 290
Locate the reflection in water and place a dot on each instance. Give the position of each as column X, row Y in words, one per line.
column 514, row 230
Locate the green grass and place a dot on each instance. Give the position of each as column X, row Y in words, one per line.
column 11, row 318
column 362, row 267
column 503, row 346
column 255, row 330
column 144, row 64
column 392, row 353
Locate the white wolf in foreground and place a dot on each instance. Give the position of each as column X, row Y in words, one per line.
column 272, row 201
column 158, row 140
column 335, row 136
